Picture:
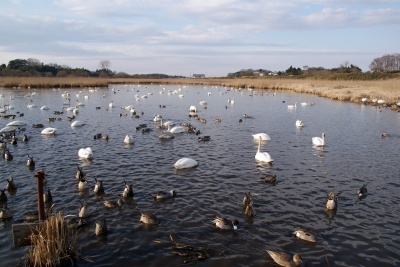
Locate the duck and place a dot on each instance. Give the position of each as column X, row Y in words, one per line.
column 249, row 211
column 47, row 197
column 30, row 163
column 362, row 191
column 284, row 259
column 305, row 234
column 128, row 191
column 166, row 136
column 25, row 138
column 264, row 137
column 384, row 134
column 84, row 211
column 3, row 196
column 129, row 139
column 148, row 218
column 204, row 138
column 105, row 137
column 163, row 194
column 7, row 155
column 98, row 187
column 112, row 204
column 80, row 174
column 49, row 131
column 97, row 136
column 269, row 178
column 82, row 184
column 14, row 140
column 246, row 116
column 68, row 118
column 246, row 199
column 11, row 185
column 85, row 153
column 5, row 213
column 38, row 125
column 332, row 201
column 299, row 123
column 101, row 227
column 225, row 224
column 185, row 163
column 319, row 141
column 262, row 156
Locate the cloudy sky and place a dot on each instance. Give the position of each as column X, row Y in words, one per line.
column 213, row 37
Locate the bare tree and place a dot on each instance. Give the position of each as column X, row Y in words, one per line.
column 105, row 64
column 33, row 62
column 386, row 63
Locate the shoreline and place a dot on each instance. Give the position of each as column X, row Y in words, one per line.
column 342, row 90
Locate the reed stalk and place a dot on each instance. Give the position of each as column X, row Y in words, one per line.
column 50, row 244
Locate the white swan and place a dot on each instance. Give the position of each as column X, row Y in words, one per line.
column 202, row 102
column 85, row 153
column 192, row 109
column 7, row 129
column 318, row 141
column 45, row 108
column 292, row 106
column 176, row 129
column 16, row 123
column 299, row 123
column 49, row 131
column 31, row 106
column 129, row 139
column 185, row 163
column 262, row 156
column 77, row 124
column 111, row 104
column 264, row 136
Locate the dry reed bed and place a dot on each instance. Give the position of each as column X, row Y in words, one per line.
column 50, row 244
column 343, row 90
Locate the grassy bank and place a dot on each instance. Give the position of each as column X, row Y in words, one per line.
column 343, row 90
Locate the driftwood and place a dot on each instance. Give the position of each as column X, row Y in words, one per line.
column 193, row 254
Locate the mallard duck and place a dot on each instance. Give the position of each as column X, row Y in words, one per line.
column 249, row 211
column 204, row 138
column 223, row 223
column 82, row 184
column 11, row 185
column 128, row 191
column 112, row 204
column 163, row 194
column 98, row 187
column 362, row 192
column 84, row 211
column 7, row 155
column 74, row 222
column 149, row 218
column 269, row 178
column 246, row 199
column 30, row 162
column 3, row 196
column 25, row 138
column 47, row 197
column 101, row 227
column 332, row 201
column 305, row 234
column 80, row 173
column 5, row 213
column 284, row 259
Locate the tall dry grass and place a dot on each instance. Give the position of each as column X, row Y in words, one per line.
column 50, row 245
column 343, row 90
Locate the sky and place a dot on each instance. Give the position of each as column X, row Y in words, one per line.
column 211, row 37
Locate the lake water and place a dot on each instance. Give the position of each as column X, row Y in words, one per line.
column 360, row 233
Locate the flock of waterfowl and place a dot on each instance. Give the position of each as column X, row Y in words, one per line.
column 169, row 130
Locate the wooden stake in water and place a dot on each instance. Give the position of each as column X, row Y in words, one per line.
column 40, row 176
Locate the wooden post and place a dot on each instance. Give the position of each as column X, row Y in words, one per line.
column 40, row 177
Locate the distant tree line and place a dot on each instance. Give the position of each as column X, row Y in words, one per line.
column 386, row 63
column 32, row 67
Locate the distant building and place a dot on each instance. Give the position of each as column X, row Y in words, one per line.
column 199, row 75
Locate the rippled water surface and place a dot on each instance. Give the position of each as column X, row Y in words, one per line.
column 360, row 233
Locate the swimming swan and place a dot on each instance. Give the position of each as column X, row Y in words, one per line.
column 129, row 139
column 264, row 136
column 299, row 123
column 49, row 131
column 85, row 153
column 185, row 163
column 262, row 156
column 318, row 141
column 77, row 124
